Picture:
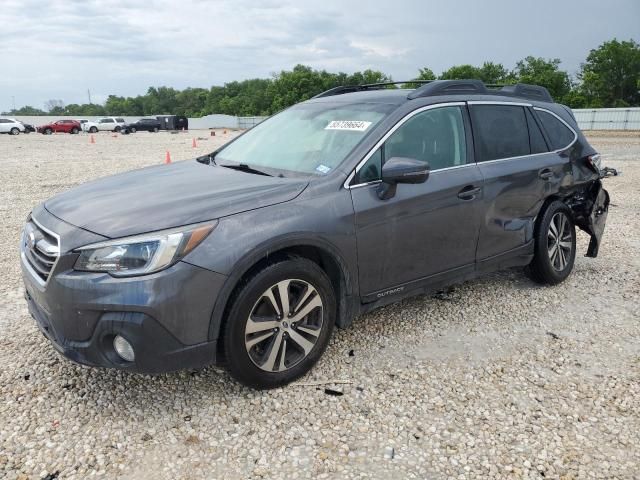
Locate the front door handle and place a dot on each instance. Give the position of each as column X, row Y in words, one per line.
column 545, row 174
column 469, row 192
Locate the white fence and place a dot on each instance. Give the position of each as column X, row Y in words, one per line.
column 608, row 118
column 588, row 119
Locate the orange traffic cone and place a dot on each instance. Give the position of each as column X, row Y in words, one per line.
column 92, row 140
column 194, row 144
column 225, row 132
column 167, row 158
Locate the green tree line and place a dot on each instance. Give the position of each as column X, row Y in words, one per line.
column 609, row 77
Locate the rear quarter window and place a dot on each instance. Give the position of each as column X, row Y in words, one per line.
column 500, row 131
column 536, row 139
column 558, row 133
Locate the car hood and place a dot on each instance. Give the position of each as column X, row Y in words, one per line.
column 166, row 196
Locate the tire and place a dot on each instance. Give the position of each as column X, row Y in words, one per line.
column 74, row 131
column 155, row 129
column 93, row 130
column 15, row 131
column 117, row 129
column 48, row 131
column 132, row 130
column 300, row 339
column 555, row 246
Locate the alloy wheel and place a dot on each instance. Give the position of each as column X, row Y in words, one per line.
column 284, row 325
column 559, row 241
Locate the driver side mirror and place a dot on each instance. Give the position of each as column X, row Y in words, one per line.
column 401, row 170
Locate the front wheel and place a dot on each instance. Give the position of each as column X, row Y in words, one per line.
column 279, row 324
column 74, row 130
column 155, row 129
column 93, row 130
column 117, row 129
column 132, row 130
column 48, row 131
column 555, row 246
column 15, row 131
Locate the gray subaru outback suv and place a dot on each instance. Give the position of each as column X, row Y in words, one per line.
column 354, row 199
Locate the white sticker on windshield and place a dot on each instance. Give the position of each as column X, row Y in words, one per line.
column 323, row 169
column 353, row 125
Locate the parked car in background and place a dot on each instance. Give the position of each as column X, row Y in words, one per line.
column 251, row 254
column 109, row 124
column 11, row 126
column 28, row 128
column 144, row 124
column 173, row 122
column 61, row 126
column 88, row 125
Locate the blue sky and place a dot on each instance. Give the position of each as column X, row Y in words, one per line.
column 122, row 46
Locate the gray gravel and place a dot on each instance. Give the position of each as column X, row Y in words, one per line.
column 501, row 378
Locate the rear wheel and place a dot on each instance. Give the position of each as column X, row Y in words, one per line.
column 117, row 129
column 14, row 131
column 132, row 130
column 555, row 246
column 279, row 323
column 74, row 130
column 155, row 129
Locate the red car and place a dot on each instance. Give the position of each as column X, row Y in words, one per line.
column 64, row 126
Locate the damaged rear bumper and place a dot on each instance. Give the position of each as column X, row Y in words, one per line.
column 591, row 215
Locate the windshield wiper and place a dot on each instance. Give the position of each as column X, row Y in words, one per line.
column 243, row 167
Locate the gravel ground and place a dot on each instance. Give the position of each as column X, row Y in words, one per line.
column 501, row 378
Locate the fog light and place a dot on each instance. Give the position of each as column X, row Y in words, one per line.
column 124, row 348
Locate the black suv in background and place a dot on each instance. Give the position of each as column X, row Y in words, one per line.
column 144, row 124
column 357, row 198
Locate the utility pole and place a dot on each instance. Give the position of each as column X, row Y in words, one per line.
column 89, row 94
column 13, row 101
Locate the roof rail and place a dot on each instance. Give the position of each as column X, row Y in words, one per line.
column 477, row 87
column 449, row 87
column 430, row 88
column 524, row 90
column 359, row 88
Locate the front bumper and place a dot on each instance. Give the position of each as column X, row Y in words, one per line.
column 165, row 316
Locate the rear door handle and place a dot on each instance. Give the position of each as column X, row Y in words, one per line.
column 545, row 174
column 469, row 192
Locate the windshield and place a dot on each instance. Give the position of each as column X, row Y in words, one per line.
column 310, row 138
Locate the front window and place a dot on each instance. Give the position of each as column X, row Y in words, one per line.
column 435, row 136
column 311, row 138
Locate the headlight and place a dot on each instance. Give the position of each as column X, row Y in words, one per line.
column 142, row 254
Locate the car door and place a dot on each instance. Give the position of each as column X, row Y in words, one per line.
column 427, row 231
column 519, row 173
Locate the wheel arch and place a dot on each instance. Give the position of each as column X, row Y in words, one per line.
column 321, row 252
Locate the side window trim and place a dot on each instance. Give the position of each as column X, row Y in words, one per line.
column 575, row 135
column 398, row 124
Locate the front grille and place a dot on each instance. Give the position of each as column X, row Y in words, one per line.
column 40, row 248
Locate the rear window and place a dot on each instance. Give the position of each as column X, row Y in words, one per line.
column 558, row 133
column 500, row 131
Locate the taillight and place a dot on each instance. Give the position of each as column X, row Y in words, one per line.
column 595, row 162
